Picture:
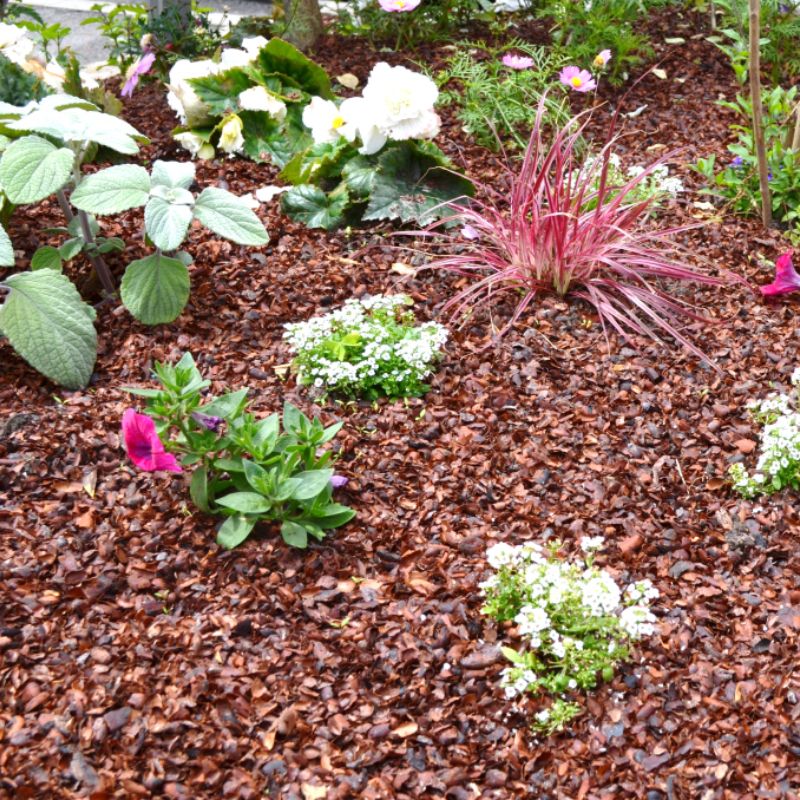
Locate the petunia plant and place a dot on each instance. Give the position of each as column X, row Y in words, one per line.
column 247, row 470
column 44, row 147
column 371, row 158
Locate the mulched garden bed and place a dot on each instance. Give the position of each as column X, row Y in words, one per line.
column 138, row 659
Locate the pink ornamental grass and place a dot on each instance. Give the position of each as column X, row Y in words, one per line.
column 144, row 447
column 398, row 5
column 579, row 80
column 513, row 61
column 560, row 228
column 786, row 278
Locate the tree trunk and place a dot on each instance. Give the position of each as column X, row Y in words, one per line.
column 303, row 23
column 758, row 121
column 183, row 7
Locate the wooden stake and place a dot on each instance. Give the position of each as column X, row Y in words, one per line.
column 758, row 120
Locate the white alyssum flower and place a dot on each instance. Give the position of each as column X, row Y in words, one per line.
column 591, row 543
column 637, row 621
column 600, row 593
column 501, row 555
column 259, row 98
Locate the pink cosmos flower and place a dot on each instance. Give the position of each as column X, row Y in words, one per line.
column 144, row 447
column 141, row 67
column 398, row 5
column 513, row 61
column 786, row 279
column 602, row 58
column 580, row 80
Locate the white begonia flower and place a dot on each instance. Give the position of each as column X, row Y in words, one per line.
column 182, row 98
column 359, row 121
column 250, row 200
column 230, row 137
column 233, row 57
column 258, row 98
column 266, row 193
column 15, row 44
column 326, row 122
column 197, row 146
column 401, row 102
column 252, row 45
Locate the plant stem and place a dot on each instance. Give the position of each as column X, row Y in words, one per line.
column 65, row 206
column 758, row 121
column 100, row 266
column 796, row 137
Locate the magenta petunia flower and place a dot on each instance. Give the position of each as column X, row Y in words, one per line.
column 786, row 279
column 513, row 61
column 337, row 481
column 398, row 5
column 602, row 58
column 141, row 67
column 580, row 80
column 144, row 447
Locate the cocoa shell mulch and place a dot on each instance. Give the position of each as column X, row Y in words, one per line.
column 137, row 659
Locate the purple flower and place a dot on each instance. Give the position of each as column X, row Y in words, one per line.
column 208, row 421
column 141, row 67
column 737, row 162
column 337, row 481
column 517, row 62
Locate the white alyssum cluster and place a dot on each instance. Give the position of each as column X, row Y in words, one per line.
column 778, row 462
column 574, row 618
column 368, row 343
column 396, row 104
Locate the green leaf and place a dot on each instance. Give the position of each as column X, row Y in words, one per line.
column 359, row 175
column 256, row 475
column 113, row 190
column 70, row 248
column 6, row 249
column 294, row 535
column 234, row 531
column 315, row 163
column 411, row 183
column 308, row 484
column 310, row 205
column 267, row 139
column 80, row 125
column 198, row 489
column 173, row 174
column 285, row 60
column 220, row 92
column 512, row 655
column 155, row 289
column 50, row 326
column 228, row 216
column 245, row 502
column 293, row 418
column 46, row 257
column 166, row 223
column 227, row 405
column 333, row 515
column 33, row 168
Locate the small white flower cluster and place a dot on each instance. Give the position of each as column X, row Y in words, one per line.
column 658, row 181
column 367, row 347
column 778, row 462
column 574, row 618
column 396, row 104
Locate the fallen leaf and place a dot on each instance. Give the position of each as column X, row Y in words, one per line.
column 406, row 729
column 348, row 80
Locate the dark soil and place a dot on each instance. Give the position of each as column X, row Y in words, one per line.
column 137, row 659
